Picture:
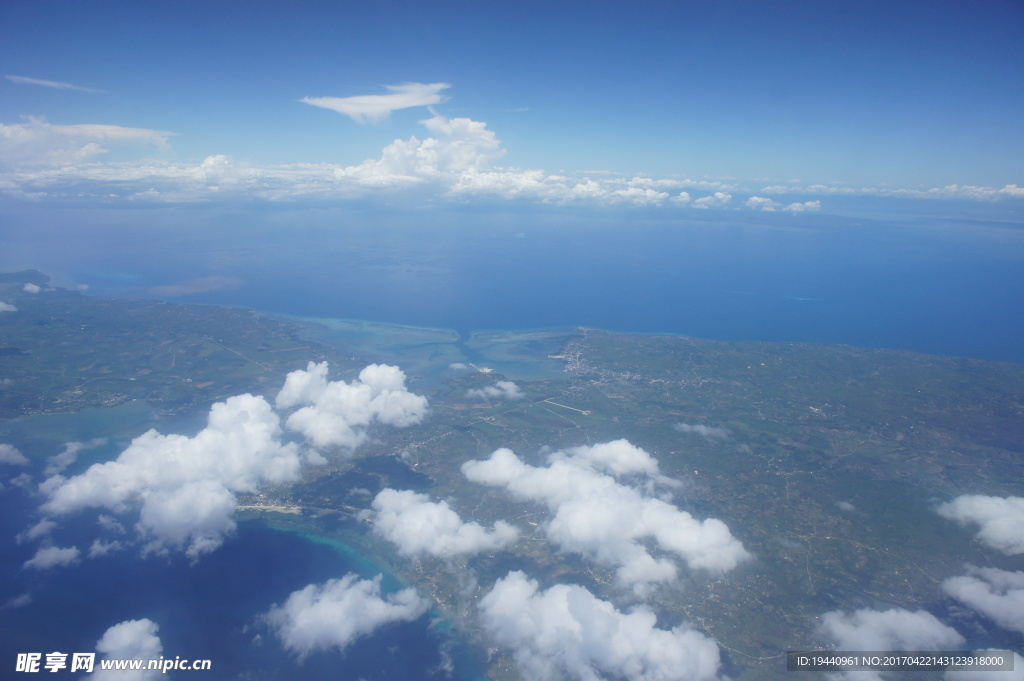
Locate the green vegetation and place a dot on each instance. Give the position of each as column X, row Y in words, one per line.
column 63, row 351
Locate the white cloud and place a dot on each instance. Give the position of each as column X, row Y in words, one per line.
column 506, row 390
column 67, row 456
column 952, row 191
column 997, row 594
column 609, row 522
column 7, row 307
column 363, row 108
column 337, row 612
column 19, row 601
column 32, row 288
column 57, row 85
column 457, row 161
column 129, row 640
column 706, row 432
column 185, row 487
column 36, row 142
column 462, row 148
column 417, row 526
column 9, row 453
column 566, row 632
column 52, row 556
column 999, row 518
column 716, row 200
column 760, row 203
column 895, row 629
column 804, row 207
column 110, row 523
column 101, row 548
column 40, row 529
column 336, row 413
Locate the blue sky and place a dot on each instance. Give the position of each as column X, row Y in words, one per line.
column 653, row 102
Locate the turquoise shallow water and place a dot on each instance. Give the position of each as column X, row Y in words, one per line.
column 430, row 354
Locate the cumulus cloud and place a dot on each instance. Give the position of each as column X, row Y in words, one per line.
column 7, row 307
column 457, row 160
column 337, row 612
column 129, row 640
column 706, row 432
column 760, row 203
column 57, row 85
column 9, row 453
column 336, row 413
column 462, row 146
column 609, row 522
column 52, row 556
column 997, row 594
column 417, row 526
column 185, row 487
column 363, row 108
column 566, row 632
column 505, row 390
column 32, row 288
column 806, row 206
column 895, row 629
column 998, row 517
column 716, row 200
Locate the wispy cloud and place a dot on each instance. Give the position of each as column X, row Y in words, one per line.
column 35, row 142
column 57, row 85
column 363, row 108
column 951, row 191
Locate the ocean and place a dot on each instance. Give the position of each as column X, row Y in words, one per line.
column 949, row 283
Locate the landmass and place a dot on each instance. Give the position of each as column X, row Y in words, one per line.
column 825, row 461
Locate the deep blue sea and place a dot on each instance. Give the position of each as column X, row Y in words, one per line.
column 947, row 282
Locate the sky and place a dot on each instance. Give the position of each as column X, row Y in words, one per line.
column 726, row 104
